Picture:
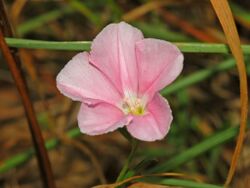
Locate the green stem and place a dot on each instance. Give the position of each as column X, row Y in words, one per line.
column 128, row 161
column 194, row 47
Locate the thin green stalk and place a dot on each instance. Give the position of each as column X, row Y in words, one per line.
column 128, row 161
column 49, row 45
column 85, row 45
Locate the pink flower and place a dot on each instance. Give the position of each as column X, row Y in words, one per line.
column 119, row 81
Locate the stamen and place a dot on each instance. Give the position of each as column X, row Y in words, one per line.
column 133, row 105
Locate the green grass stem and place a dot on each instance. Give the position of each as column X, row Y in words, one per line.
column 85, row 45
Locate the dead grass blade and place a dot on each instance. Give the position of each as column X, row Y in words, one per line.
column 12, row 62
column 167, row 174
column 225, row 16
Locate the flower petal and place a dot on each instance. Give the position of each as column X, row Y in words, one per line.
column 159, row 63
column 113, row 52
column 81, row 81
column 155, row 124
column 101, row 118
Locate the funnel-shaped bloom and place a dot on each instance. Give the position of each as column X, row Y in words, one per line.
column 119, row 81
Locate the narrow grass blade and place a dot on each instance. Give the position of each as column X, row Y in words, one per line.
column 197, row 77
column 187, row 184
column 41, row 20
column 209, row 143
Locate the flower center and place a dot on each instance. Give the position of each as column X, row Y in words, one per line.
column 133, row 105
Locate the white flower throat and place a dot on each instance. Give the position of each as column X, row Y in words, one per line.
column 133, row 105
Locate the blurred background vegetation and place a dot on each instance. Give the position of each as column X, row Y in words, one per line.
column 204, row 99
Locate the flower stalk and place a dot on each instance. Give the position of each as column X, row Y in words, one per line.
column 125, row 168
